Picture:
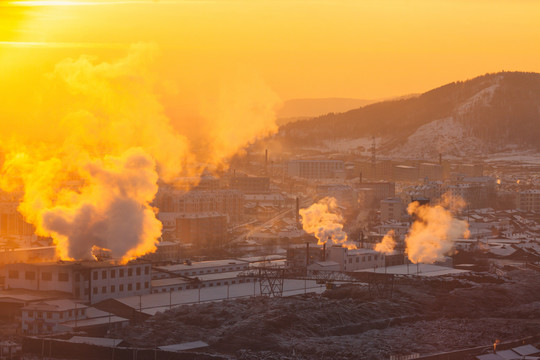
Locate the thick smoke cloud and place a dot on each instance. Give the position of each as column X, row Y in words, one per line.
column 434, row 230
column 387, row 244
column 92, row 139
column 324, row 221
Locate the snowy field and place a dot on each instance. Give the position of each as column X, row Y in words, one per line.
column 153, row 303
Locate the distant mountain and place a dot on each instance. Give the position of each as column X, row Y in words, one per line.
column 490, row 113
column 296, row 109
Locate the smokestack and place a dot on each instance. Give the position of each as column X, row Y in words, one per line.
column 307, row 254
column 266, row 161
column 297, row 212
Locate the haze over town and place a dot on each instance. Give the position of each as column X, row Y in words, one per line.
column 306, row 179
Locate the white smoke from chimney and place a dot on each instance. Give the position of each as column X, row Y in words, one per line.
column 323, row 220
column 434, row 230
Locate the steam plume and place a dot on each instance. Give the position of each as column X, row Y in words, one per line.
column 88, row 148
column 432, row 235
column 387, row 244
column 324, row 220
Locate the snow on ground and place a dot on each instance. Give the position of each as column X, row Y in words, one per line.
column 483, row 97
column 445, row 136
column 154, row 303
column 413, row 269
column 530, row 157
column 361, row 146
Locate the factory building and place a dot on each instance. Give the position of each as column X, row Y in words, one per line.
column 379, row 190
column 89, row 281
column 251, row 184
column 316, row 169
column 200, row 268
column 203, row 230
column 356, row 259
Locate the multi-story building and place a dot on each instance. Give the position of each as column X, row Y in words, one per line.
column 380, row 190
column 529, row 200
column 406, row 173
column 251, row 184
column 12, row 222
column 356, row 259
column 165, row 251
column 28, row 255
column 475, row 170
column 89, row 281
column 316, row 169
column 226, row 202
column 391, row 209
column 47, row 316
column 430, row 171
column 201, row 229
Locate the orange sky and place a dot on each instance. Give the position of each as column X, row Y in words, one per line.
column 300, row 48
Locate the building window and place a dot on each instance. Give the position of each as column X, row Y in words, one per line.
column 113, row 288
column 46, row 276
column 104, row 274
column 103, row 289
column 85, row 291
column 146, row 285
column 138, row 286
column 350, row 260
column 95, row 275
column 121, row 287
column 61, row 315
column 63, row 276
column 138, row 271
column 146, row 270
column 30, row 314
column 130, row 287
column 130, row 272
column 121, row 273
column 113, row 274
column 94, row 291
column 357, row 259
column 49, row 315
column 29, row 275
column 13, row 274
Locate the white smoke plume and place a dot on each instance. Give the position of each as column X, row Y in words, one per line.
column 323, row 220
column 434, row 230
column 88, row 144
column 387, row 243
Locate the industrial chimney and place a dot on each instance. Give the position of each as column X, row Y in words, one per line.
column 298, row 212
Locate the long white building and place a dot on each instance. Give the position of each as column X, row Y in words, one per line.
column 90, row 281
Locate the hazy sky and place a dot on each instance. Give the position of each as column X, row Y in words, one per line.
column 300, row 48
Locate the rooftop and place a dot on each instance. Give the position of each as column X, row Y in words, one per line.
column 202, row 265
